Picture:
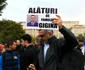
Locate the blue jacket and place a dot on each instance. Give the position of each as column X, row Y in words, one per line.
column 1, row 62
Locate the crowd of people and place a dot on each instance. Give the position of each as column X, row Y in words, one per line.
column 49, row 54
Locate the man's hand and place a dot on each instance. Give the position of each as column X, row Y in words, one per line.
column 58, row 21
column 31, row 67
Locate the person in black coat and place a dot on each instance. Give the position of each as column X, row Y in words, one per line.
column 30, row 53
column 80, row 44
column 52, row 49
column 11, row 59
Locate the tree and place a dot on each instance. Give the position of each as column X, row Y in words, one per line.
column 10, row 30
column 3, row 4
column 33, row 38
column 84, row 35
column 80, row 37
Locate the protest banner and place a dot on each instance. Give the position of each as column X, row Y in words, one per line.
column 41, row 18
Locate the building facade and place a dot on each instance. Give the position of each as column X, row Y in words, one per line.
column 72, row 25
column 78, row 29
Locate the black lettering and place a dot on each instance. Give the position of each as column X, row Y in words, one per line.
column 47, row 15
column 52, row 11
column 51, row 19
column 43, row 10
column 46, row 19
column 40, row 25
column 30, row 10
column 55, row 25
column 56, row 11
column 47, row 10
column 46, row 25
column 34, row 10
column 38, row 10
column 51, row 25
column 43, row 25
column 42, row 19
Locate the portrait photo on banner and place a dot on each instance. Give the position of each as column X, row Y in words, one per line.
column 32, row 20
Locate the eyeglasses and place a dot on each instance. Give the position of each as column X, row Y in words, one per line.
column 41, row 35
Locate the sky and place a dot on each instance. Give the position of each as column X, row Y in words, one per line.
column 69, row 10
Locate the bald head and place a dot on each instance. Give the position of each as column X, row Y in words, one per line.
column 18, row 42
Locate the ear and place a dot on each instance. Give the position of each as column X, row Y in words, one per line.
column 26, row 41
column 10, row 46
column 50, row 33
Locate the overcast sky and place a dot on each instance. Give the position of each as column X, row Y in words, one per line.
column 68, row 9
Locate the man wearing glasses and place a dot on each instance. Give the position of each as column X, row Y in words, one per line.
column 52, row 49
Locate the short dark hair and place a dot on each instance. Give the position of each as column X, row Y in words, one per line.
column 80, row 40
column 27, row 37
column 32, row 15
column 10, row 43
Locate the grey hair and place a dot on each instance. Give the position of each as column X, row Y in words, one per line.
column 46, row 31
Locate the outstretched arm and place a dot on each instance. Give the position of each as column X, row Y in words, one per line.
column 69, row 41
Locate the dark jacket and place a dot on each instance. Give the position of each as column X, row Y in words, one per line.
column 19, row 49
column 73, row 60
column 79, row 47
column 30, row 24
column 58, row 48
column 28, row 56
column 10, row 60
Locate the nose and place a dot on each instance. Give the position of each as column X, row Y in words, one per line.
column 41, row 38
